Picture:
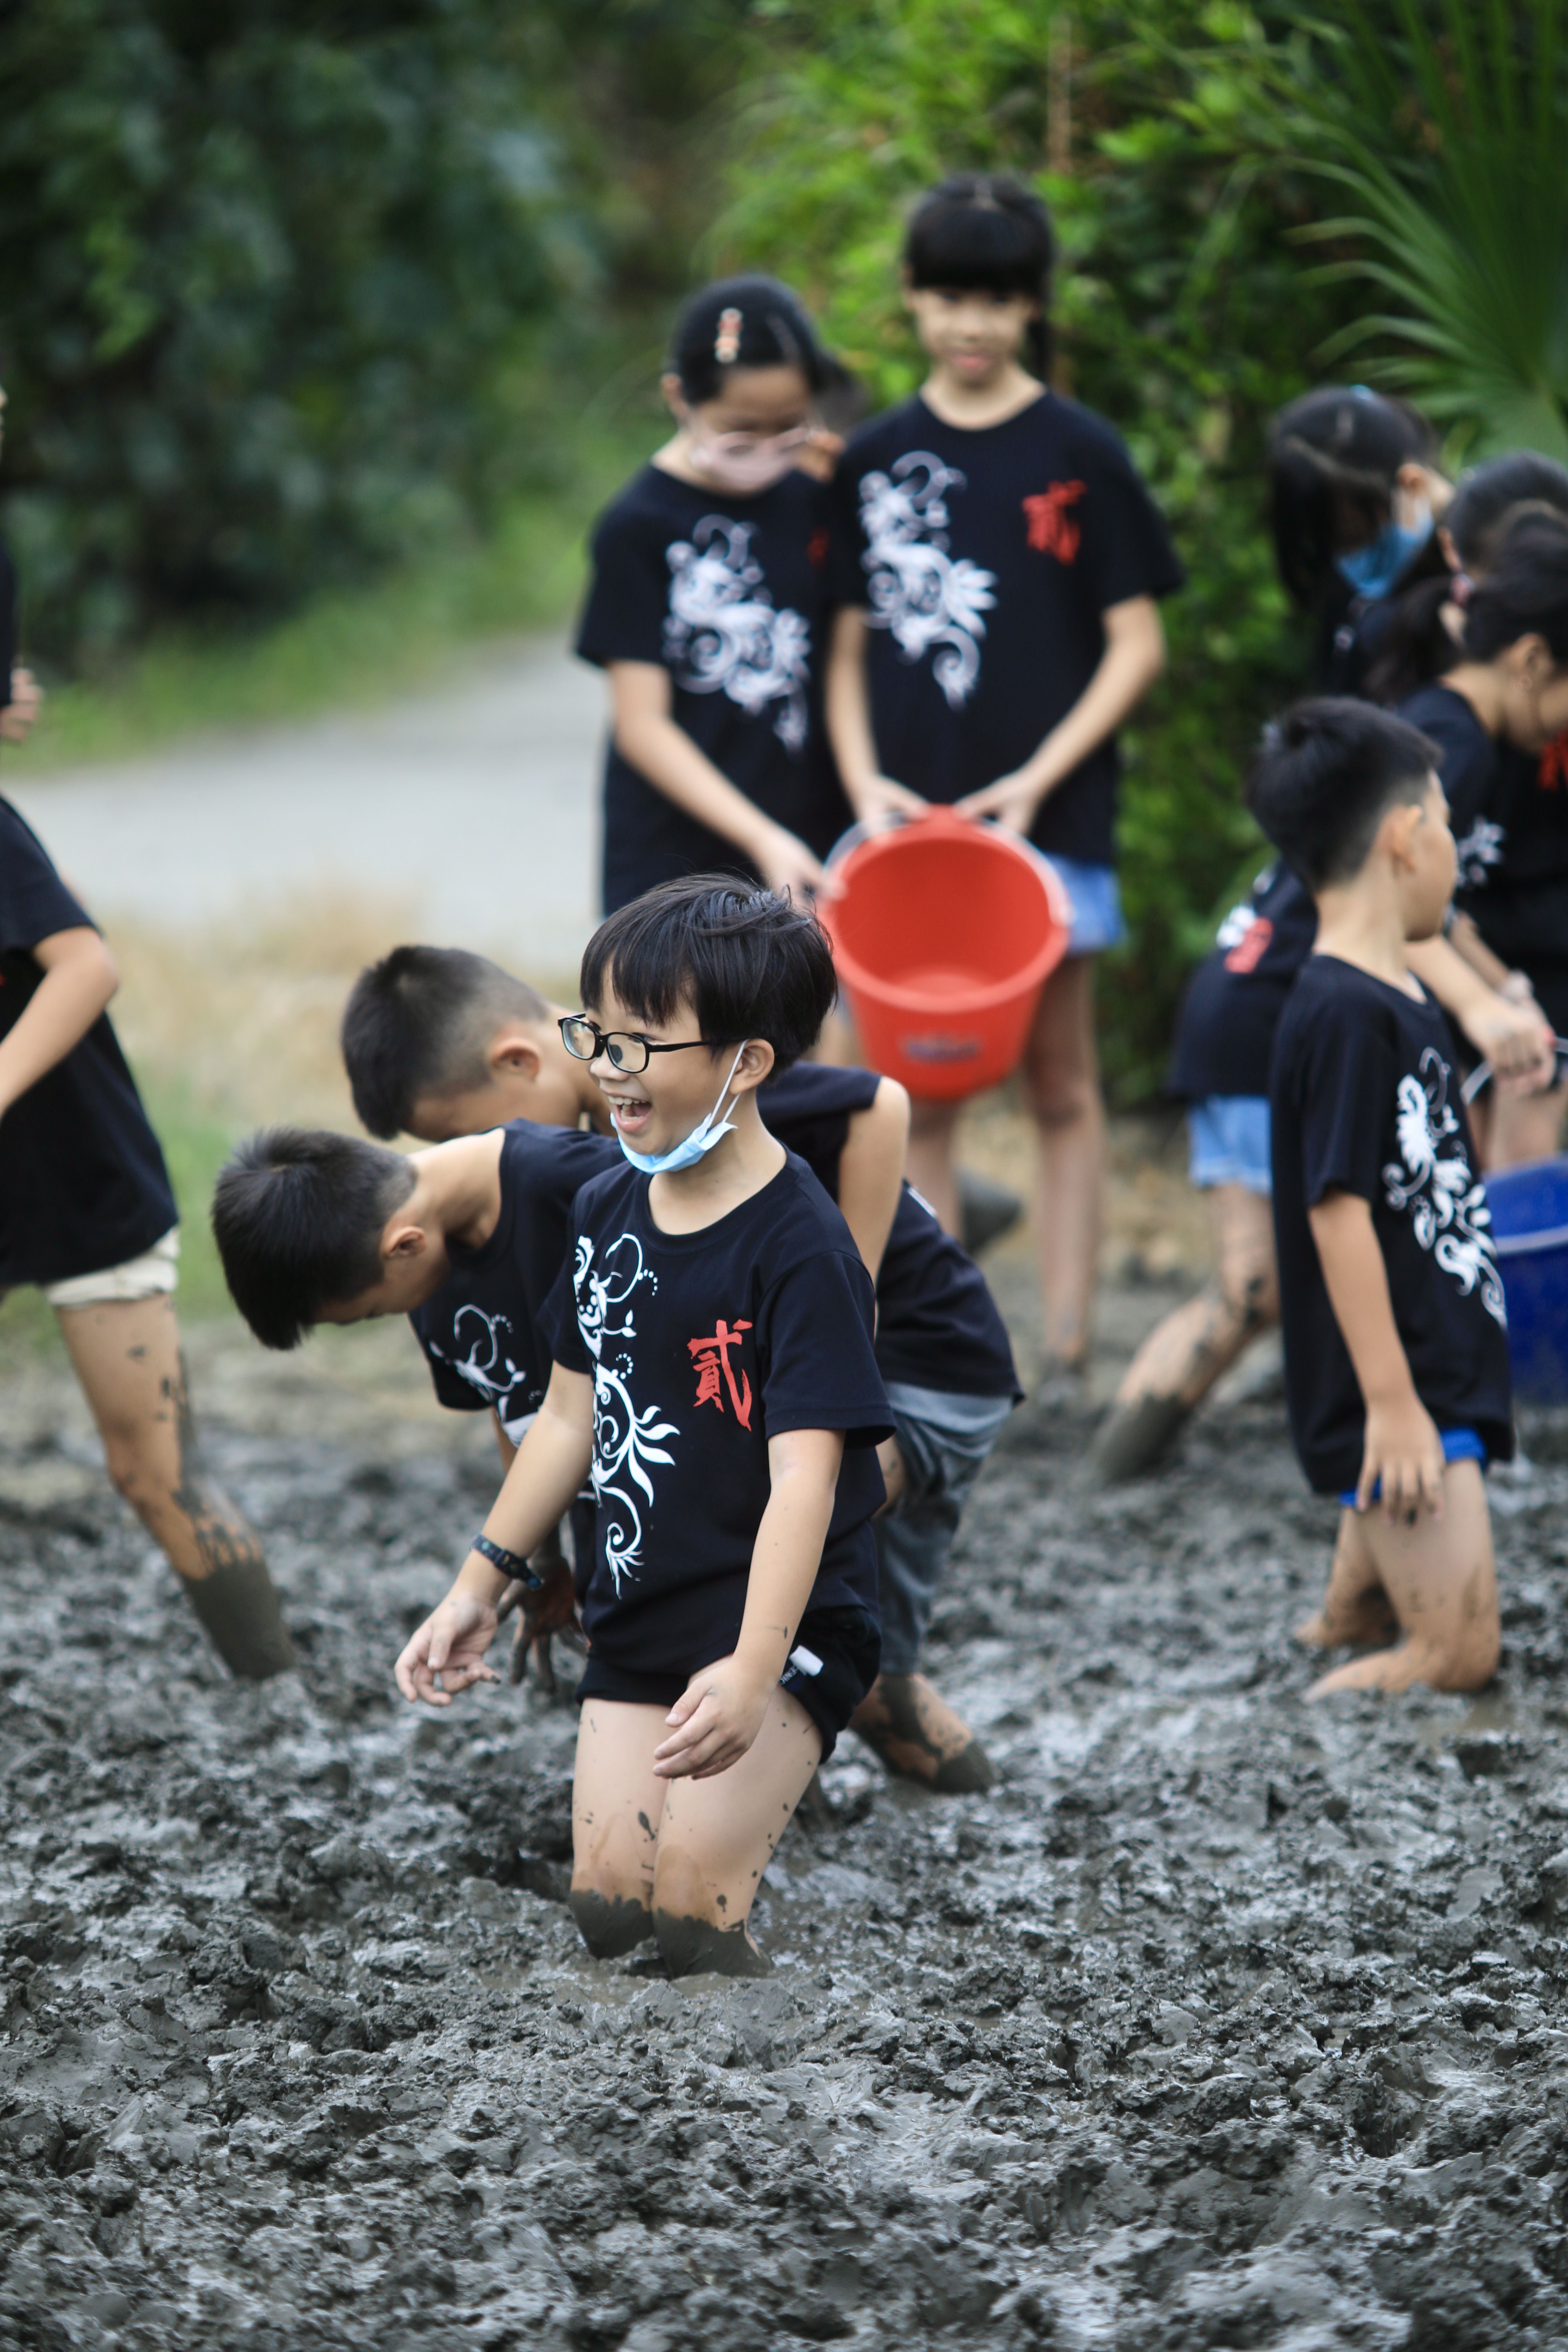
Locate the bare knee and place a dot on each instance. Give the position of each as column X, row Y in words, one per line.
column 1467, row 1663
column 1063, row 1098
column 1251, row 1295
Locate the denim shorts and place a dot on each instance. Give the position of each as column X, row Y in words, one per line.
column 1096, row 896
column 944, row 1440
column 1228, row 1135
column 1458, row 1445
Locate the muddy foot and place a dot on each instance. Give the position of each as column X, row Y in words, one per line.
column 986, row 1211
column 609, row 1923
column 698, row 1947
column 238, row 1609
column 1137, row 1435
column 917, row 1735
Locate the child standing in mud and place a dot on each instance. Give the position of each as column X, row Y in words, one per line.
column 1397, row 1368
column 713, row 1365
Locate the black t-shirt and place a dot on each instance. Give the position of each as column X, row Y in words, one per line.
column 937, row 1324
column 480, row 1332
column 985, row 561
column 702, row 1347
column 82, row 1181
column 730, row 595
column 1471, row 775
column 1366, row 1100
column 1225, row 1034
column 1523, row 913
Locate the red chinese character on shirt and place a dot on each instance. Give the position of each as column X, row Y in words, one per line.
column 1051, row 528
column 1552, row 775
column 712, row 1359
column 1247, row 952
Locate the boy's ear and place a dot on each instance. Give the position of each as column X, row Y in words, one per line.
column 512, row 1054
column 756, row 1065
column 1396, row 835
column 674, row 399
column 404, row 1240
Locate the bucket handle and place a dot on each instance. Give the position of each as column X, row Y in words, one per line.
column 1483, row 1073
column 940, row 818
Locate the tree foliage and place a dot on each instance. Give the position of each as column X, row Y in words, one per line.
column 1183, row 313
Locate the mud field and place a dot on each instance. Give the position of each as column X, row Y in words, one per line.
column 1224, row 2021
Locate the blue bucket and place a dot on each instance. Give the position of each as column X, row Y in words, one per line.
column 1529, row 1226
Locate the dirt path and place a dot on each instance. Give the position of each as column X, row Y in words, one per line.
column 475, row 808
column 1224, row 2021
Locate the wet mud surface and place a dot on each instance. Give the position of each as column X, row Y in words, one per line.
column 1222, row 2021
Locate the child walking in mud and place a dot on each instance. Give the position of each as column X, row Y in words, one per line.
column 713, row 1365
column 86, row 1214
column 1397, row 1368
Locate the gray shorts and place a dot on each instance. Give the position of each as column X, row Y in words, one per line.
column 945, row 1439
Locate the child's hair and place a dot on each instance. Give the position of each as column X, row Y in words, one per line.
column 750, row 963
column 1326, row 774
column 417, row 1024
column 983, row 229
column 1525, row 593
column 744, row 322
column 1334, row 458
column 1417, row 644
column 299, row 1214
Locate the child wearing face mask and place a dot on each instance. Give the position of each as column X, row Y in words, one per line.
column 1356, row 494
column 707, row 610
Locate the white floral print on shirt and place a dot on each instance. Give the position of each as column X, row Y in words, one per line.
column 918, row 590
column 625, row 1440
column 1447, row 1205
column 724, row 634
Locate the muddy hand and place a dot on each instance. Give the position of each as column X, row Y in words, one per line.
column 542, row 1610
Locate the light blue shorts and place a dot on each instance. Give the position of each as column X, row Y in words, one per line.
column 1228, row 1135
column 1097, row 918
column 1458, row 1445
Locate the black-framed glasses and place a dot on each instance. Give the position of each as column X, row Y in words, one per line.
column 626, row 1050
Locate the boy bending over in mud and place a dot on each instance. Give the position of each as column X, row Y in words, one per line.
column 713, row 1364
column 1397, row 1368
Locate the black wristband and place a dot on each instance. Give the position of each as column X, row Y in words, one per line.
column 510, row 1563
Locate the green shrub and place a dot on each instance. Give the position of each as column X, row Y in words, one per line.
column 268, row 274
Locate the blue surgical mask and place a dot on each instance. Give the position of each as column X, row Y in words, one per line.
column 1372, row 570
column 700, row 1140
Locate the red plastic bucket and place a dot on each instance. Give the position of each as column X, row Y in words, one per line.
column 944, row 935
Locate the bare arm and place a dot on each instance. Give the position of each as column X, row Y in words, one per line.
column 649, row 738
column 849, row 708
column 1516, row 1039
column 1134, row 658
column 1403, row 1447
column 721, row 1710
column 549, row 1467
column 871, row 1170
column 79, row 978
column 19, row 715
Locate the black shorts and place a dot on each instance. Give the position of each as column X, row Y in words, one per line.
column 831, row 1667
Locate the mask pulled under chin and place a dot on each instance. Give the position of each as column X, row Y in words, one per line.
column 733, row 462
column 686, row 1154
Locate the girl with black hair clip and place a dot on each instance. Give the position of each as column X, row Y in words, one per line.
column 706, row 610
column 998, row 561
column 1356, row 497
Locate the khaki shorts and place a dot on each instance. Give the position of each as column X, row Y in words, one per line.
column 151, row 1276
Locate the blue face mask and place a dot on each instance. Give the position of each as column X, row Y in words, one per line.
column 701, row 1140
column 1372, row 570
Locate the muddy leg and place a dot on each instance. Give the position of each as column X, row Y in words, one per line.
column 616, row 1808
column 127, row 1357
column 1180, row 1361
column 718, row 1837
column 1440, row 1578
column 1355, row 1608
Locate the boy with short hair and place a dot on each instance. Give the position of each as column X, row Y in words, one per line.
column 712, row 1359
column 438, row 1042
column 1397, row 1367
